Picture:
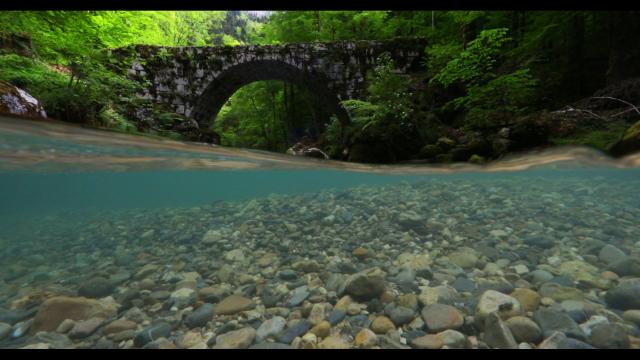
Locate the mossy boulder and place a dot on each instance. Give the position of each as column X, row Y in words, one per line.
column 630, row 142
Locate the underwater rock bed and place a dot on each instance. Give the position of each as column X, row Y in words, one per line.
column 520, row 262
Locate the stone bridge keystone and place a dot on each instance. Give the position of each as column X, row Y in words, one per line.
column 197, row 81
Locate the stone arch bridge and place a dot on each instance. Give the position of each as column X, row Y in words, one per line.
column 197, row 81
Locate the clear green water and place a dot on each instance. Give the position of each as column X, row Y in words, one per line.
column 79, row 199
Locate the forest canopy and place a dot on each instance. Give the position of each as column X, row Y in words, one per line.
column 482, row 70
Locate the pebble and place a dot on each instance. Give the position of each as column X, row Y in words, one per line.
column 627, row 266
column 401, row 315
column 428, row 341
column 151, row 333
column 5, row 329
column 439, row 317
column 610, row 254
column 381, row 325
column 609, row 336
column 632, row 316
column 490, row 301
column 364, row 285
column 334, row 342
column 624, row 297
column 322, row 330
column 287, row 336
column 200, row 317
column 453, row 339
column 270, row 328
column 336, row 316
column 65, row 326
column 183, row 297
column 237, row 339
column 524, row 329
column 529, row 299
column 82, row 329
column 551, row 321
column 234, row 304
column 365, row 339
column 298, row 295
column 497, row 334
column 96, row 287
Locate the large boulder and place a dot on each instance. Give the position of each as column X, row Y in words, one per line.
column 15, row 101
column 55, row 310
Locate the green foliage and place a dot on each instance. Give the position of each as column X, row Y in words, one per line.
column 475, row 64
column 501, row 100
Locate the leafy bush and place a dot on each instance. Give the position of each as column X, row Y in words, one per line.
column 491, row 99
column 499, row 101
column 475, row 64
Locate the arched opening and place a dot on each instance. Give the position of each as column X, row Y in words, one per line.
column 271, row 115
column 323, row 102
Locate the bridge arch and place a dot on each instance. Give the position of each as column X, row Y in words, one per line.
column 220, row 89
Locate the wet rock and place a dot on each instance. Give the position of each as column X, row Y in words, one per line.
column 627, row 266
column 15, row 316
column 161, row 343
column 238, row 339
column 96, row 287
column 560, row 293
column 364, row 285
column 270, row 345
column 529, row 299
column 610, row 254
column 183, row 297
column 55, row 310
column 632, row 316
column 624, row 297
column 365, row 339
column 524, row 329
column 551, row 320
column 152, row 333
column 270, row 328
column 401, row 315
column 540, row 276
column 322, row 330
column 497, row 334
column 540, row 241
column 381, row 325
column 119, row 326
column 5, row 329
column 287, row 336
column 453, row 339
column 569, row 343
column 439, row 317
column 609, row 336
column 82, row 329
column 552, row 341
column 464, row 285
column 336, row 316
column 465, row 258
column 287, row 274
column 200, row 317
column 20, row 329
column 299, row 295
column 491, row 301
column 65, row 326
column 234, row 304
column 429, row 341
column 334, row 342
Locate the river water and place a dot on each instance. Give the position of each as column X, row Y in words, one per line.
column 98, row 226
